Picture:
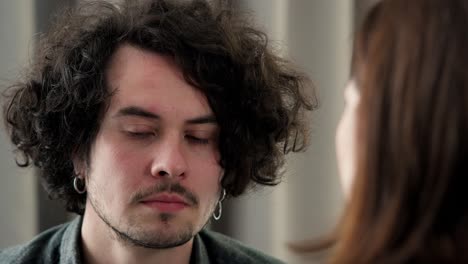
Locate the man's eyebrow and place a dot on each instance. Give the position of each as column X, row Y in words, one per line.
column 136, row 111
column 207, row 119
column 140, row 112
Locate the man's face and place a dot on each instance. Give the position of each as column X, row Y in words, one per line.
column 154, row 175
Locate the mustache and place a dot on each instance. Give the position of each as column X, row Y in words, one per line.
column 166, row 187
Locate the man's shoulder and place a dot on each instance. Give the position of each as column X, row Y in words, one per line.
column 224, row 248
column 43, row 248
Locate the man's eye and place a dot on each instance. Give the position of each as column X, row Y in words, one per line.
column 140, row 134
column 197, row 140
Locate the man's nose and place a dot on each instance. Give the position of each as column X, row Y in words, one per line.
column 169, row 159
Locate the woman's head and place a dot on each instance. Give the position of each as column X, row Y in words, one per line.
column 410, row 118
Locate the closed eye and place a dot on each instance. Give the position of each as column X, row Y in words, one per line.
column 140, row 134
column 197, row 140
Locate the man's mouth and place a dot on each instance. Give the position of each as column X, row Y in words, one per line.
column 166, row 202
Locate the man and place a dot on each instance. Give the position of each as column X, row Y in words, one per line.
column 143, row 117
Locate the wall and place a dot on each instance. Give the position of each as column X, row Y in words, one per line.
column 17, row 187
column 317, row 36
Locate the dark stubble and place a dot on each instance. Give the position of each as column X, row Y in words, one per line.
column 134, row 235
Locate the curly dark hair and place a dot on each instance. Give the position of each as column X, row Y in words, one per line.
column 259, row 101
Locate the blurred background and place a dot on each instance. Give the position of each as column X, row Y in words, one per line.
column 316, row 34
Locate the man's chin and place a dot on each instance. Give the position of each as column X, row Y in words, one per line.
column 161, row 242
column 156, row 235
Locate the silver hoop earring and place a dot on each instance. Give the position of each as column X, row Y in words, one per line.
column 220, row 206
column 76, row 184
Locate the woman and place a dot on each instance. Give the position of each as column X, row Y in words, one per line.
column 402, row 142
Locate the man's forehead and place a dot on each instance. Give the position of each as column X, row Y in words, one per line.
column 127, row 55
column 151, row 81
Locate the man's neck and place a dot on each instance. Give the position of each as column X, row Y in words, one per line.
column 100, row 245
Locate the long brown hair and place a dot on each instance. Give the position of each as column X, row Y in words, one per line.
column 409, row 202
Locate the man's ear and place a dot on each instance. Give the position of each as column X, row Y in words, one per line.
column 79, row 166
column 221, row 177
